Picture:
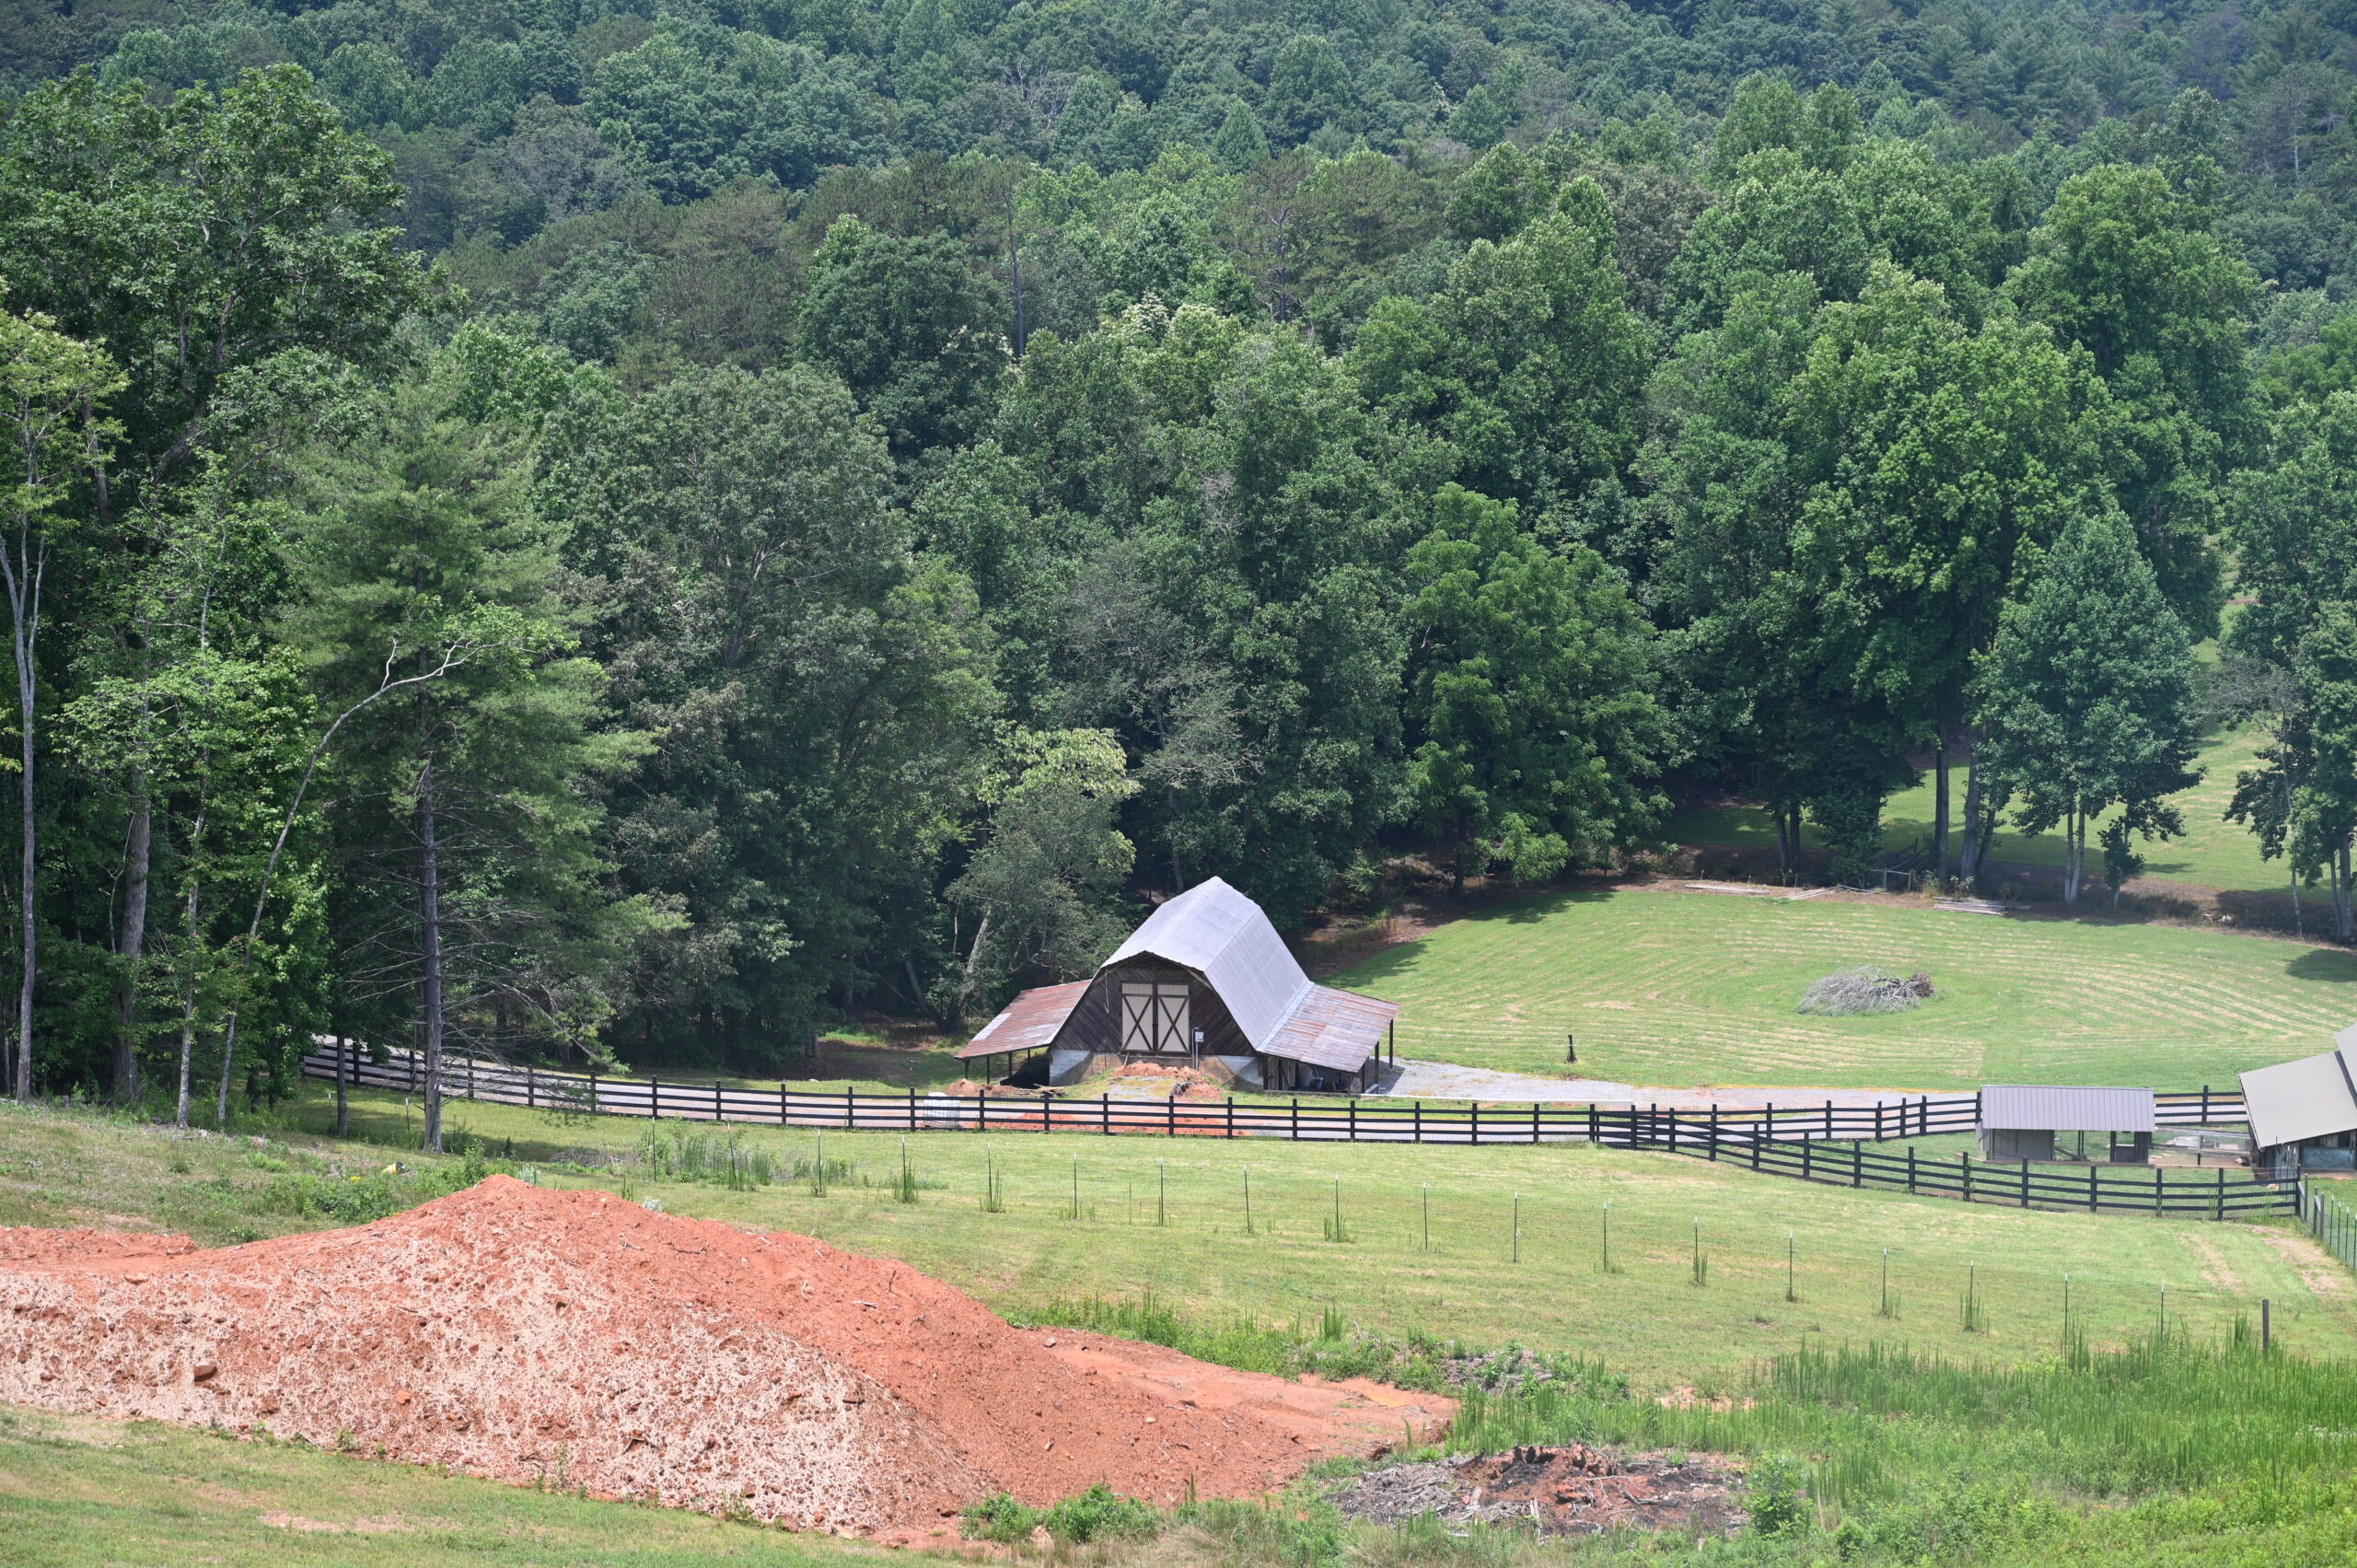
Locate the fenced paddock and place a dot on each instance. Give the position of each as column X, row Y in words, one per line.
column 1788, row 1140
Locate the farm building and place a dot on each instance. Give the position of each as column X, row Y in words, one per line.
column 1206, row 981
column 2028, row 1121
column 2303, row 1114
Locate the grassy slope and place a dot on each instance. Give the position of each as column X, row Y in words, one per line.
column 2213, row 851
column 93, row 1495
column 1667, row 987
column 1648, row 1320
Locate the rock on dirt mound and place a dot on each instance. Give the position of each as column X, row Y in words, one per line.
column 570, row 1337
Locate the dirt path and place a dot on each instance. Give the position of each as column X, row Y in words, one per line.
column 1444, row 1080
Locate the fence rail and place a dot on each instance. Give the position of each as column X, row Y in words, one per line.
column 1352, row 1120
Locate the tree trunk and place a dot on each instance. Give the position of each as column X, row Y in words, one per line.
column 974, row 980
column 1940, row 807
column 430, row 922
column 2343, row 928
column 1968, row 864
column 1178, row 872
column 188, row 989
column 2074, row 849
column 134, row 945
column 24, row 603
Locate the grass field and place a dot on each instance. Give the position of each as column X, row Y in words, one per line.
column 1647, row 1318
column 1917, row 1485
column 1667, row 987
column 2210, row 852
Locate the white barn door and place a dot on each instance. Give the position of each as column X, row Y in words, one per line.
column 1154, row 1016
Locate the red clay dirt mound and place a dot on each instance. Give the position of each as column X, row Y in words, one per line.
column 573, row 1338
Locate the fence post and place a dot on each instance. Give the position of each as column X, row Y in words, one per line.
column 1755, row 1141
column 653, row 1097
column 2156, row 1189
column 2205, row 1105
column 1231, row 1119
column 1046, row 1112
column 1828, row 1121
column 1910, row 1169
column 1857, row 1164
column 1296, row 1118
column 1965, row 1158
column 1534, row 1121
column 1173, row 1103
column 1592, row 1128
column 781, row 1103
column 1714, row 1132
column 850, row 1112
column 2025, row 1184
column 471, row 1077
column 1655, row 1119
column 1807, row 1145
column 1878, row 1120
column 1417, row 1110
column 1350, row 1113
column 527, row 1087
column 593, row 1093
column 2219, row 1211
column 1767, row 1128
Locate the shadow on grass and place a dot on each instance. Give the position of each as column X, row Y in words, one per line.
column 2326, row 964
column 1397, row 962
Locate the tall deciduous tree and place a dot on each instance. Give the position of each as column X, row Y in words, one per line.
column 1534, row 729
column 2086, row 698
column 50, row 390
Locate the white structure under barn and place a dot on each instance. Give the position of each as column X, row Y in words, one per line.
column 2303, row 1114
column 2033, row 1122
column 1206, row 981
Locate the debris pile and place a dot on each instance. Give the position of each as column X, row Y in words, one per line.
column 1866, row 990
column 575, row 1340
column 1565, row 1491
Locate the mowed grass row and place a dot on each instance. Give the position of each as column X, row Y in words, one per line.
column 1478, row 1283
column 2211, row 852
column 1665, row 986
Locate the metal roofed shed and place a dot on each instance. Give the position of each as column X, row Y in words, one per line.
column 1206, row 980
column 2304, row 1113
column 2021, row 1121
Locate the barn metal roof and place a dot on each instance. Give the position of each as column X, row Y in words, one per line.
column 2307, row 1098
column 1220, row 933
column 1031, row 1020
column 1337, row 1029
column 2012, row 1108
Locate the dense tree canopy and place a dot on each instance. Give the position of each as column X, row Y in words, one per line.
column 629, row 531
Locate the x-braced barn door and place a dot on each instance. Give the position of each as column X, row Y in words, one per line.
column 1154, row 1016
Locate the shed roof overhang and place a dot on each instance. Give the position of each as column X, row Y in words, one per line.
column 2294, row 1101
column 1334, row 1029
column 1033, row 1019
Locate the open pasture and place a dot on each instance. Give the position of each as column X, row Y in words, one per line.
column 1670, row 987
column 1169, row 1217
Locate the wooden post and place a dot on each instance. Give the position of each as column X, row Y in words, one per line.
column 2025, row 1184
column 782, row 1104
column 1417, row 1111
column 1477, row 1122
column 1910, row 1169
column 912, row 1106
column 593, row 1093
column 471, row 1077
column 527, row 1087
column 1173, row 1103
column 2094, row 1190
column 1966, row 1160
column 1296, row 1118
column 1534, row 1121
column 1857, row 1164
column 653, row 1097
column 1807, row 1145
column 1828, row 1120
column 2156, row 1189
column 1714, row 1132
column 1231, row 1118
column 850, row 1112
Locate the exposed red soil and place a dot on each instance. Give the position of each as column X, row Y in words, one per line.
column 570, row 1337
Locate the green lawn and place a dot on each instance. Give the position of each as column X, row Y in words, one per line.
column 2211, row 852
column 1669, row 987
column 93, row 1495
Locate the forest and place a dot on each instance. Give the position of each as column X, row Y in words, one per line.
column 582, row 529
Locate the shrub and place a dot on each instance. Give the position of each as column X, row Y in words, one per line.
column 1101, row 1513
column 1778, row 1497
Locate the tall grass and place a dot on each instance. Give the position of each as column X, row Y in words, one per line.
column 1883, row 1423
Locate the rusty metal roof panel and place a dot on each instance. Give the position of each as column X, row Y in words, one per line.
column 2008, row 1108
column 1222, row 935
column 1031, row 1020
column 1335, row 1029
column 2294, row 1101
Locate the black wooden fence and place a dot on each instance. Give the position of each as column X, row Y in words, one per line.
column 1325, row 1119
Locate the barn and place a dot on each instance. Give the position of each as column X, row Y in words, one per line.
column 1205, row 982
column 2303, row 1114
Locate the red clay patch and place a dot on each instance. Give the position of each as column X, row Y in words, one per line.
column 571, row 1337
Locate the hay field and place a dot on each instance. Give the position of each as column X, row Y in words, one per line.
column 1667, row 987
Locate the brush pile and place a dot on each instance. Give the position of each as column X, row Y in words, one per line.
column 1866, row 990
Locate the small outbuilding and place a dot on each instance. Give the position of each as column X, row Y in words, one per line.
column 2026, row 1121
column 1205, row 982
column 2303, row 1114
